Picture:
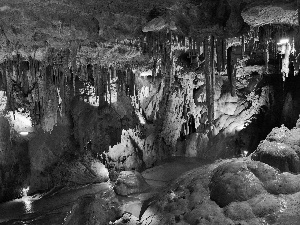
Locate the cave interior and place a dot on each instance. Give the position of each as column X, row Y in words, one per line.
column 150, row 112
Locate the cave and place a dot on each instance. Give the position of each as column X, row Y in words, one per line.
column 150, row 112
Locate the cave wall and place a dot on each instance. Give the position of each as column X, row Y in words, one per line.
column 236, row 118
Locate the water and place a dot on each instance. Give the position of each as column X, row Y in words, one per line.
column 58, row 206
column 51, row 208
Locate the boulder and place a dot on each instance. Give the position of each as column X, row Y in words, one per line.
column 130, row 182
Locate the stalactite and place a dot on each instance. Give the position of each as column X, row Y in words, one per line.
column 126, row 81
column 102, row 87
column 243, row 45
column 208, row 72
column 9, row 83
column 212, row 64
column 194, row 47
column 109, row 78
column 131, row 83
column 105, row 83
column 233, row 82
column 224, row 51
column 266, row 55
column 100, row 83
column 4, row 78
column 285, row 61
column 219, row 48
column 118, row 81
column 230, row 71
column 229, row 64
column 154, row 69
column 298, row 7
column 95, row 79
column 167, row 62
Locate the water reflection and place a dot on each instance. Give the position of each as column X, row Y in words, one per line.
column 27, row 204
column 27, row 201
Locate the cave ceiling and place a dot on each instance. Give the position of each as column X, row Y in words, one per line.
column 32, row 27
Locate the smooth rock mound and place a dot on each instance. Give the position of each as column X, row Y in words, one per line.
column 281, row 149
column 234, row 182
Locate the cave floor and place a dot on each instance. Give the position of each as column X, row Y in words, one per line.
column 55, row 207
